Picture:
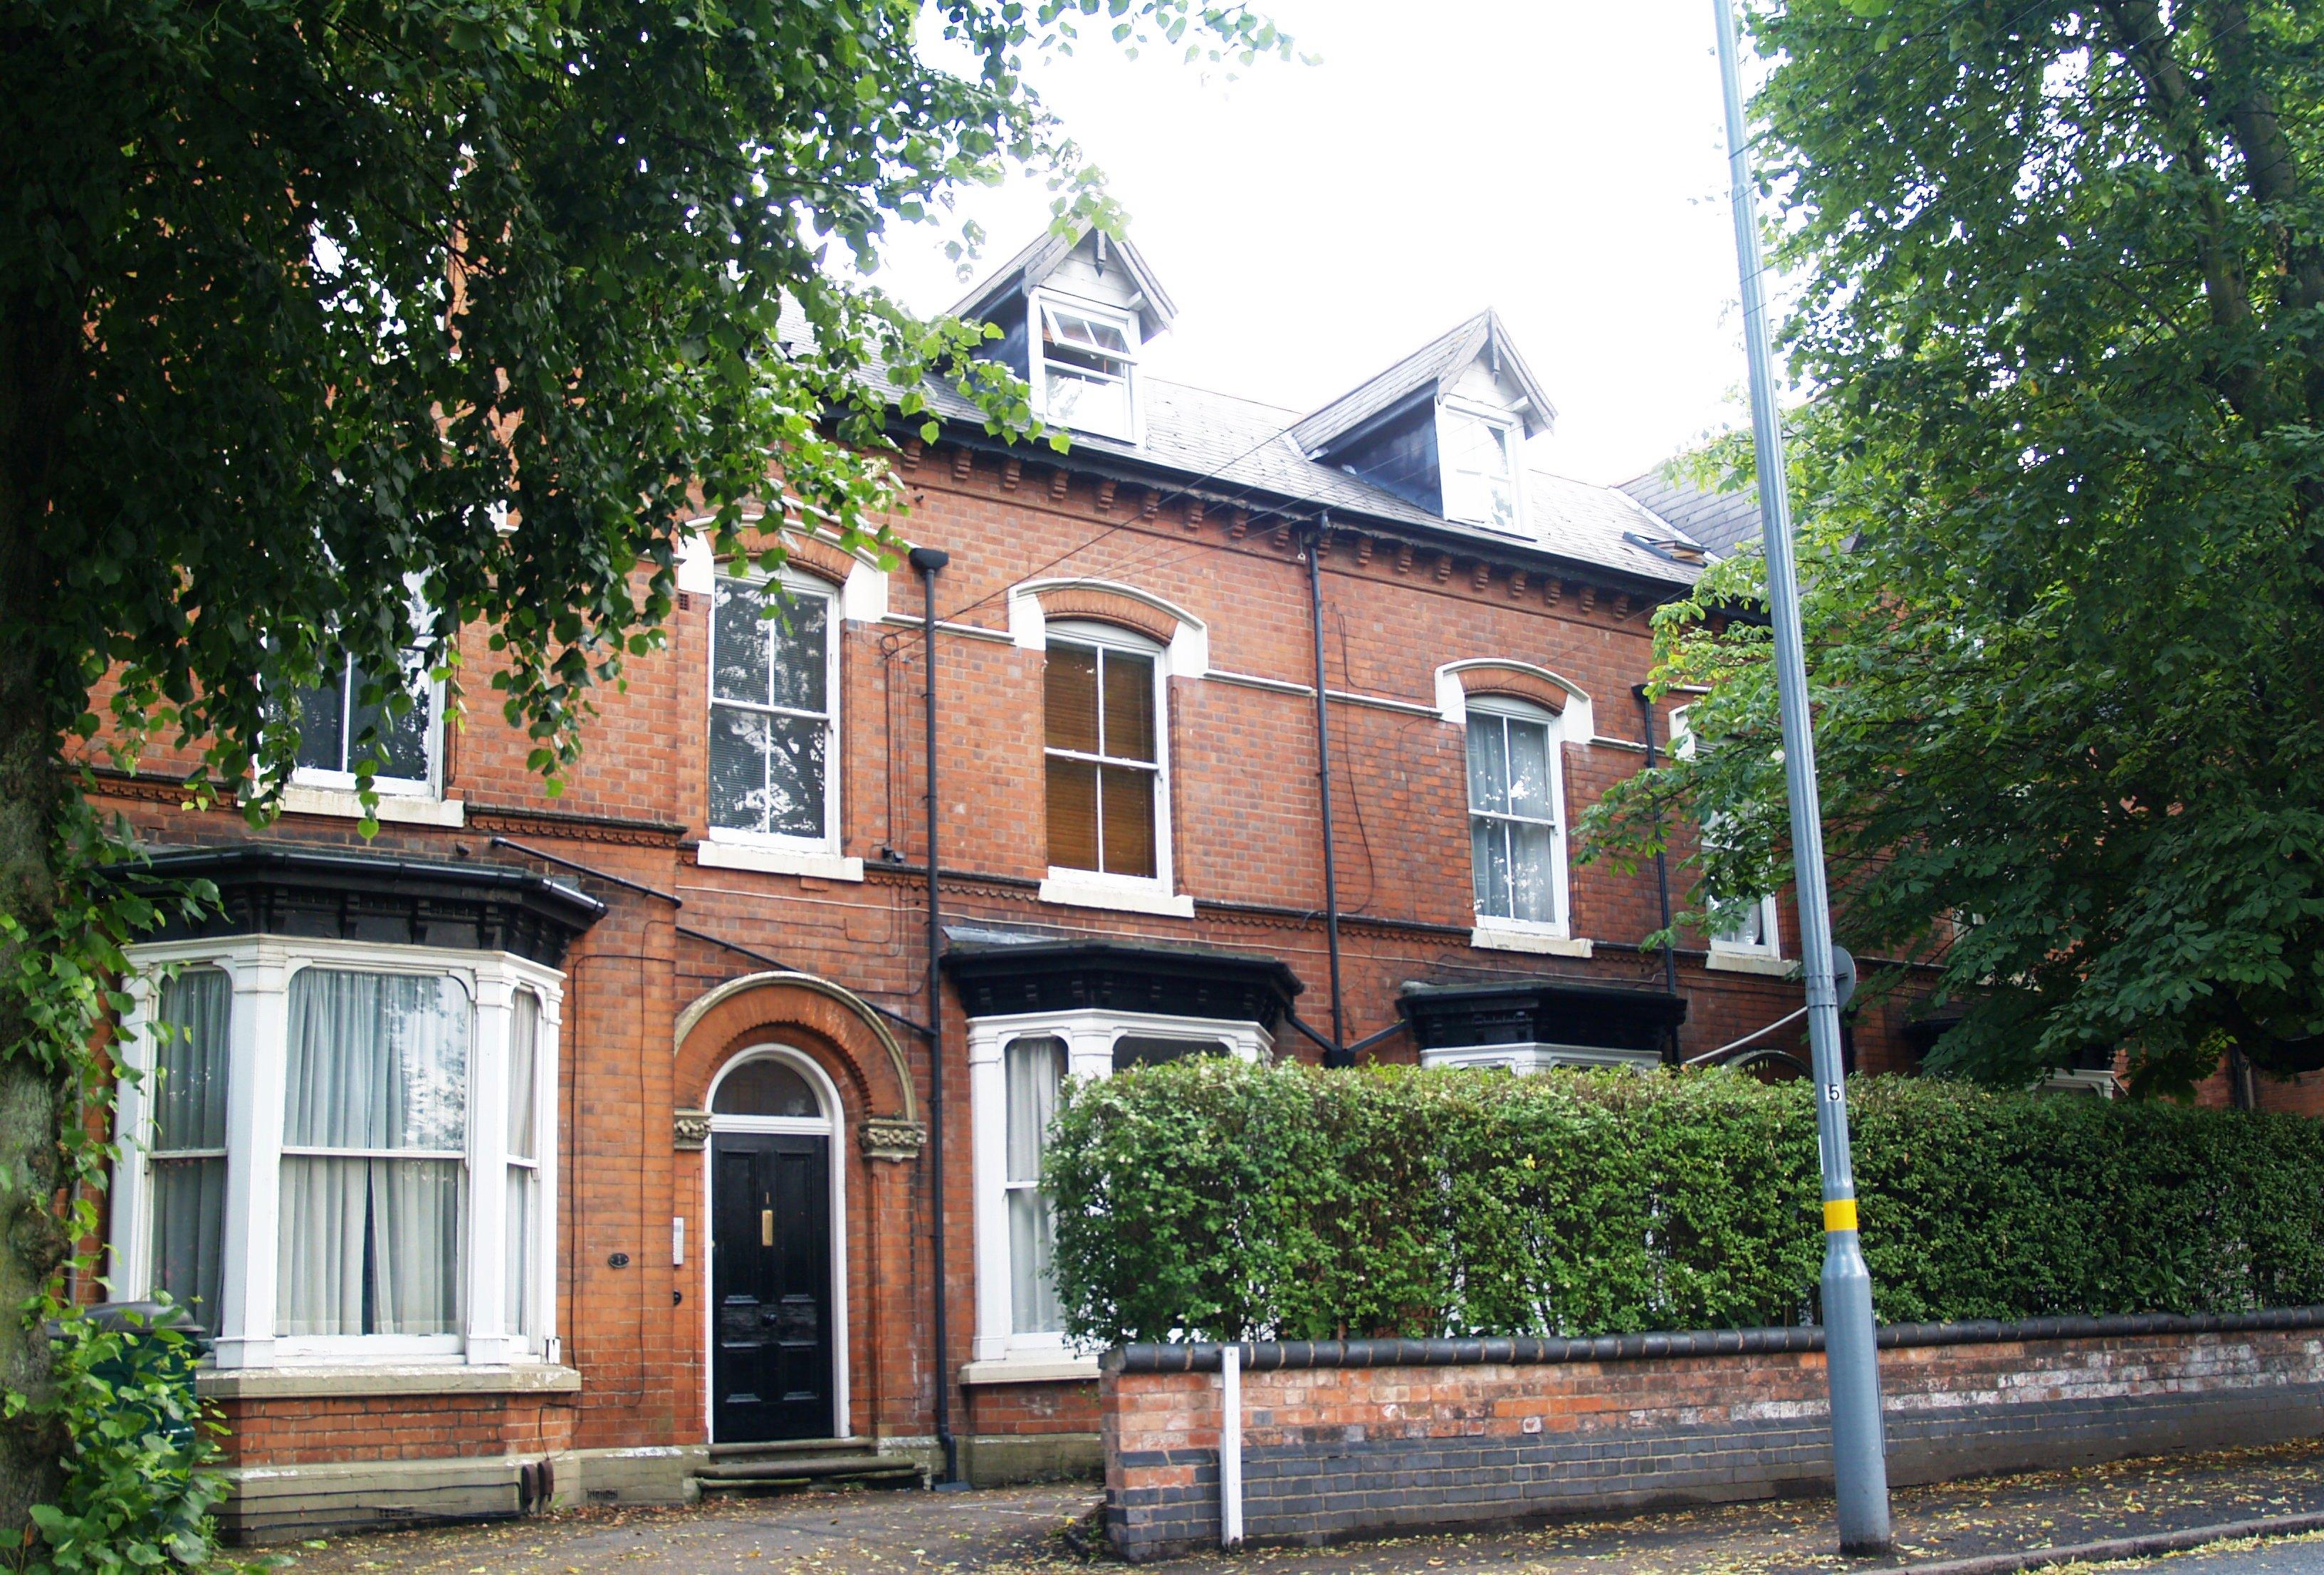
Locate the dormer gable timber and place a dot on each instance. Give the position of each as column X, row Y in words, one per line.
column 1084, row 263
column 1475, row 362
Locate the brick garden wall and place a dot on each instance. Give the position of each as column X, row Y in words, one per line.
column 1367, row 1437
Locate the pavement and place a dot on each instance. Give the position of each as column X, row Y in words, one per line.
column 1049, row 1531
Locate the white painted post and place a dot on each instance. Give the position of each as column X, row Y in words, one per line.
column 1231, row 1447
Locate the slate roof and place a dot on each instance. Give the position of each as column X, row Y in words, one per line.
column 1720, row 521
column 1424, row 368
column 1235, row 451
column 1241, row 450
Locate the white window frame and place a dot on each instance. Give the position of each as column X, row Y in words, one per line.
column 827, row 847
column 1064, row 884
column 1769, row 948
column 261, row 968
column 831, row 1125
column 1489, row 926
column 1505, row 426
column 386, row 787
column 1000, row 1354
column 1036, row 364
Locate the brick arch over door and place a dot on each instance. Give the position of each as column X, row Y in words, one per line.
column 878, row 1125
column 831, row 1023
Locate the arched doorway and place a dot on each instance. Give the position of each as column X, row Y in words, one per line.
column 777, row 1302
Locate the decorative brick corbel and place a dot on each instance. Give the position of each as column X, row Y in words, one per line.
column 1011, row 469
column 912, row 452
column 1443, row 567
column 893, row 1137
column 1552, row 589
column 1481, row 576
column 1404, row 557
column 1060, row 478
column 1105, row 495
column 1621, row 604
column 1152, row 506
column 1363, row 551
column 1517, row 583
column 1194, row 514
column 689, row 1130
column 1589, row 598
column 963, row 462
column 1240, row 525
column 1281, row 539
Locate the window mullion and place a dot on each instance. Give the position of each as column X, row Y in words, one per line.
column 488, row 1342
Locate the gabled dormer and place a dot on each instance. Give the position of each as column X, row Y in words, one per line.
column 1444, row 428
column 1075, row 310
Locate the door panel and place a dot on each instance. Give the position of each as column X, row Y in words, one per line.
column 770, row 1288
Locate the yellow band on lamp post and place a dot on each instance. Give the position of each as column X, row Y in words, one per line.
column 1840, row 1214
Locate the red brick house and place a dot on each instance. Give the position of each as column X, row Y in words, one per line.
column 595, row 1151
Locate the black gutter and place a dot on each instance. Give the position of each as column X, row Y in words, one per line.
column 1662, row 868
column 929, row 560
column 624, row 883
column 1178, row 484
column 1337, row 1054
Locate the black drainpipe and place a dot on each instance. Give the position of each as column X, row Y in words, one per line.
column 928, row 560
column 1661, row 868
column 1337, row 1055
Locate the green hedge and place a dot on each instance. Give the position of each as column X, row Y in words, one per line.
column 1209, row 1199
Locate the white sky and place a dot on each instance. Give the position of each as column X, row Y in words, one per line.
column 1560, row 160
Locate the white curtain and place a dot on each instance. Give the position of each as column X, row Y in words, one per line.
column 187, row 1162
column 1035, row 1071
column 375, row 1131
column 524, row 1172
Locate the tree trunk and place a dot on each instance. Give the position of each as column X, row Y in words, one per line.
column 37, row 357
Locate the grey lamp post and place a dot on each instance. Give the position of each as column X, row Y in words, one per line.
column 1860, row 1466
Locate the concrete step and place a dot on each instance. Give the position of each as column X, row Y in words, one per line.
column 770, row 1469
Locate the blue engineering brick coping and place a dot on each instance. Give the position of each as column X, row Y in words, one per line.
column 1266, row 1356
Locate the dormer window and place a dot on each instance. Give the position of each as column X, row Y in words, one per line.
column 1084, row 374
column 1480, row 467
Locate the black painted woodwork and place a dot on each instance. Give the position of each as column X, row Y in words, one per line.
column 996, row 978
column 770, row 1288
column 1540, row 1011
column 344, row 894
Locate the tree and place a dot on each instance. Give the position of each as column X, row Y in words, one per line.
column 2062, row 327
column 337, row 327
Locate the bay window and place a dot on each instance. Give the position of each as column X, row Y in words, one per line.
column 1018, row 1067
column 336, row 1150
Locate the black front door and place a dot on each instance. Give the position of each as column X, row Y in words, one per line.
column 770, row 1288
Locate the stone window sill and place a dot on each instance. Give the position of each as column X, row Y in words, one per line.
column 344, row 804
column 1073, row 888
column 1494, row 938
column 1722, row 961
column 350, row 1381
column 1061, row 1369
column 770, row 860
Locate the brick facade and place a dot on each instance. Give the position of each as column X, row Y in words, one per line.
column 1365, row 1439
column 704, row 953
